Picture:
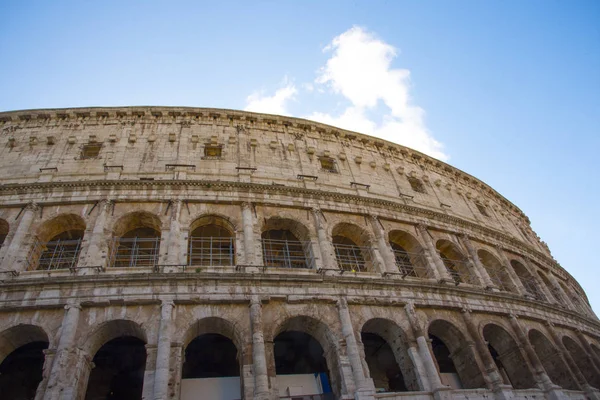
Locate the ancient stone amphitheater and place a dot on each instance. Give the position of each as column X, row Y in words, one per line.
column 191, row 253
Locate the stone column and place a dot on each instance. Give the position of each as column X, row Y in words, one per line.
column 97, row 249
column 539, row 373
column 566, row 357
column 439, row 269
column 47, row 368
column 148, row 385
column 176, row 367
column 15, row 257
column 432, row 377
column 479, row 269
column 60, row 382
column 163, row 351
column 540, row 283
column 594, row 359
column 326, row 247
column 511, row 272
column 385, row 250
column 491, row 373
column 259, row 359
column 564, row 298
column 175, row 253
column 363, row 391
column 248, row 227
column 81, row 374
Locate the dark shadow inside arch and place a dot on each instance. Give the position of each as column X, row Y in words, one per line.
column 384, row 369
column 508, row 357
column 552, row 361
column 282, row 249
column 583, row 361
column 4, row 228
column 119, row 370
column 409, row 255
column 21, row 371
column 211, row 242
column 210, row 355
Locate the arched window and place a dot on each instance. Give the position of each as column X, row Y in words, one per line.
column 553, row 363
column 455, row 262
column 285, row 244
column 211, row 242
column 409, row 255
column 496, row 271
column 352, row 250
column 527, row 280
column 57, row 243
column 137, row 241
column 3, row 231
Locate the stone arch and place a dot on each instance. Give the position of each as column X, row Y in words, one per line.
column 57, row 243
column 22, row 360
column 552, row 360
column 286, row 244
column 508, row 357
column 117, row 349
column 595, row 349
column 109, row 330
column 459, row 352
column 325, row 338
column 549, row 286
column 216, row 325
column 4, row 228
column 454, row 261
column 396, row 340
column 211, row 241
column 496, row 271
column 136, row 240
column 352, row 245
column 409, row 254
column 582, row 360
column 530, row 284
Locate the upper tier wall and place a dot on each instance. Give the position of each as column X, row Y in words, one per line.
column 164, row 143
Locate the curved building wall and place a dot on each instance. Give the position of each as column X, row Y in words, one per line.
column 158, row 226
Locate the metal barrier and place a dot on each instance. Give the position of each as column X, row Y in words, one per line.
column 211, row 251
column 59, row 254
column 323, row 396
column 287, row 254
column 134, row 252
column 460, row 271
column 412, row 265
column 353, row 258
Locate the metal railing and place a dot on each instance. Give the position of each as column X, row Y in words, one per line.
column 499, row 278
column 323, row 396
column 59, row 254
column 412, row 265
column 211, row 251
column 287, row 254
column 353, row 258
column 459, row 271
column 134, row 252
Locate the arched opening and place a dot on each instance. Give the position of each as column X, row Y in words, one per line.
column 3, row 231
column 456, row 361
column 136, row 241
column 57, row 243
column 527, row 280
column 386, row 354
column 21, row 361
column 583, row 361
column 211, row 369
column 595, row 349
column 455, row 262
column 352, row 250
column 305, row 364
column 496, row 271
column 552, row 360
column 286, row 244
column 409, row 255
column 212, row 363
column 211, row 242
column 551, row 288
column 508, row 357
column 118, row 372
column 119, row 353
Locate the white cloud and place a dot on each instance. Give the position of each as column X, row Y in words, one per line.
column 360, row 70
column 276, row 104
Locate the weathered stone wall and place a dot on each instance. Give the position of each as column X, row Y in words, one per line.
column 152, row 173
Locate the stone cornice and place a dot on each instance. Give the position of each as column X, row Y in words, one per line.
column 499, row 237
column 189, row 115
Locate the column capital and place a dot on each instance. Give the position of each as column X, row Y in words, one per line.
column 72, row 305
column 466, row 311
column 246, row 205
column 342, row 303
column 32, row 206
column 167, row 303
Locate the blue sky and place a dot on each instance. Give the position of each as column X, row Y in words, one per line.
column 508, row 91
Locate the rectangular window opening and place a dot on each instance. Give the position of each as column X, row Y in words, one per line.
column 328, row 164
column 212, row 152
column 90, row 150
column 482, row 210
column 416, row 185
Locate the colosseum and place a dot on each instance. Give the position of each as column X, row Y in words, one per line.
column 166, row 253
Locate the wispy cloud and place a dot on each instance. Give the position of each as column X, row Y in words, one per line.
column 359, row 71
column 275, row 104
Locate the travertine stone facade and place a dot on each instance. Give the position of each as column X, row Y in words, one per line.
column 162, row 224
